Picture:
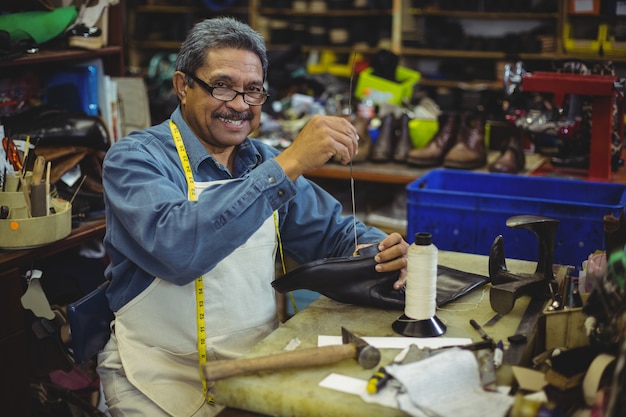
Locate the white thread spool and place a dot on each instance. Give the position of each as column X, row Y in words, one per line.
column 421, row 279
column 419, row 319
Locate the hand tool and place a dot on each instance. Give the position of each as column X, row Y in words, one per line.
column 482, row 333
column 353, row 347
column 498, row 354
column 38, row 189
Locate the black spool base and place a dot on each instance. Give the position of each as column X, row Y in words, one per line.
column 419, row 328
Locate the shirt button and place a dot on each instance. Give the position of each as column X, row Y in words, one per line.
column 272, row 180
column 281, row 193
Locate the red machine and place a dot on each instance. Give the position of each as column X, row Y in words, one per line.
column 604, row 90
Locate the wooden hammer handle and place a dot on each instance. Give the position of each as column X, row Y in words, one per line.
column 325, row 355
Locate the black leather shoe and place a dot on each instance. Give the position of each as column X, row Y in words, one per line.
column 348, row 279
column 353, row 280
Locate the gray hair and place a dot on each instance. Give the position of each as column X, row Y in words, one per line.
column 215, row 33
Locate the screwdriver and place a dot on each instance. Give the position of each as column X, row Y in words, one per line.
column 377, row 381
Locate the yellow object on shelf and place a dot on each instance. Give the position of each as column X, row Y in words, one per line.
column 422, row 131
column 381, row 90
column 327, row 64
column 590, row 46
column 610, row 44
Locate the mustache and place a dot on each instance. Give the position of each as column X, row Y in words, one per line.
column 234, row 115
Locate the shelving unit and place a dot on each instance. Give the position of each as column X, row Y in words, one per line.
column 15, row 395
column 160, row 28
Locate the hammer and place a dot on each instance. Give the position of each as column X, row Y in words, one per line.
column 353, row 347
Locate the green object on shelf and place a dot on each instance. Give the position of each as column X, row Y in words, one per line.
column 40, row 26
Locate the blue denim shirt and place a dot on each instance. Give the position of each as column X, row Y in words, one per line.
column 154, row 231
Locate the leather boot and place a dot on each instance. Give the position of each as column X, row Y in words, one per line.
column 469, row 152
column 403, row 140
column 383, row 148
column 512, row 159
column 365, row 141
column 436, row 149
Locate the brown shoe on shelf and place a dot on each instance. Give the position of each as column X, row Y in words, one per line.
column 365, row 141
column 469, row 151
column 403, row 140
column 512, row 159
column 436, row 149
column 383, row 148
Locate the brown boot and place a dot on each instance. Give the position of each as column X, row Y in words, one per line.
column 434, row 152
column 403, row 140
column 365, row 141
column 469, row 151
column 383, row 148
column 512, row 160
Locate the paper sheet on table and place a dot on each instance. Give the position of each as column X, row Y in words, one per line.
column 400, row 342
column 447, row 384
column 356, row 386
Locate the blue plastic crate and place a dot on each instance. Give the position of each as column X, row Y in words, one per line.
column 465, row 211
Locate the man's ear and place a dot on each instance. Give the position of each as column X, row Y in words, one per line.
column 179, row 82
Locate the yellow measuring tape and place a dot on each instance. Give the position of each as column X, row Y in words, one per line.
column 191, row 194
column 200, row 320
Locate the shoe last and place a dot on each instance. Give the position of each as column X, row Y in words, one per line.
column 383, row 148
column 349, row 280
column 469, row 152
column 436, row 149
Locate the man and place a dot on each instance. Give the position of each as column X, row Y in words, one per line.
column 195, row 210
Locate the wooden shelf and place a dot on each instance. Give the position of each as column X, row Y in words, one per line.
column 325, row 13
column 85, row 232
column 389, row 172
column 483, row 15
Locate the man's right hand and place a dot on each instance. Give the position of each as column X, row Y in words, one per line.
column 322, row 138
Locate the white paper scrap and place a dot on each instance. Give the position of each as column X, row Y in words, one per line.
column 400, row 342
column 350, row 385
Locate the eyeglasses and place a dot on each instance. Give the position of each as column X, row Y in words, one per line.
column 252, row 98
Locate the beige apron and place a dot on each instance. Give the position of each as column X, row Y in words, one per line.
column 157, row 334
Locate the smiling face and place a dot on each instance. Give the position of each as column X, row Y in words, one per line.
column 222, row 125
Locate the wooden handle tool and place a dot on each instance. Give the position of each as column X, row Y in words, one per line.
column 366, row 355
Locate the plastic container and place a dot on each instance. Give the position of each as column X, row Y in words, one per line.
column 590, row 45
column 381, row 90
column 422, row 131
column 466, row 210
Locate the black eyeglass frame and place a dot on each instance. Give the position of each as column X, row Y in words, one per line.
column 209, row 89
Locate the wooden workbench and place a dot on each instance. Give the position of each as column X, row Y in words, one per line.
column 296, row 392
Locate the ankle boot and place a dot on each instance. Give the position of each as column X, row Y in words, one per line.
column 436, row 149
column 512, row 159
column 469, row 152
column 365, row 141
column 403, row 140
column 383, row 148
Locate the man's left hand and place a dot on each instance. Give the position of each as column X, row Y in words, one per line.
column 393, row 257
